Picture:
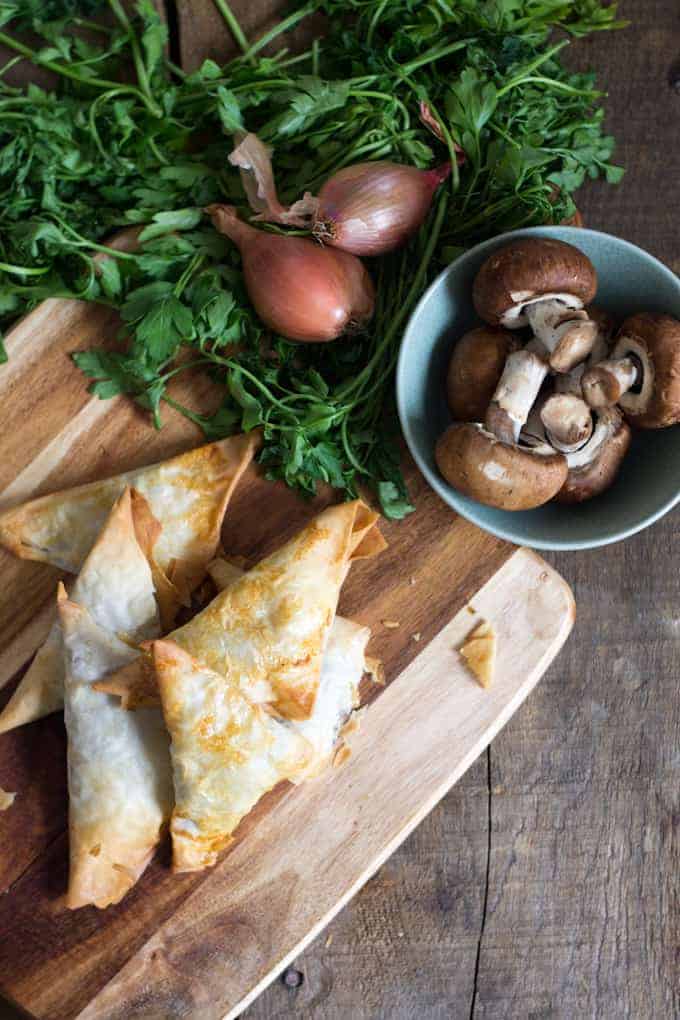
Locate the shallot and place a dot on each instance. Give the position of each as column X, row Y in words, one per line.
column 373, row 208
column 298, row 288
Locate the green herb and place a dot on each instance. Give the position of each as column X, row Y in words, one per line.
column 106, row 149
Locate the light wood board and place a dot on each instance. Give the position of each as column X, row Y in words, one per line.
column 314, row 846
column 206, row 947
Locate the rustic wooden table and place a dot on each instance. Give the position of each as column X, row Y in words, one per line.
column 546, row 884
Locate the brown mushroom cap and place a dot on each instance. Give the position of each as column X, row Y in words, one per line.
column 476, row 366
column 597, row 475
column 606, row 323
column 659, row 337
column 528, row 269
column 480, row 466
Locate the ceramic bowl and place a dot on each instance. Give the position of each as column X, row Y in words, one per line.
column 648, row 484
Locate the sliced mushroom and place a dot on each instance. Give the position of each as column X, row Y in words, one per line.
column 593, row 468
column 568, row 422
column 479, row 465
column 643, row 373
column 474, row 370
column 517, row 389
column 543, row 283
column 570, row 382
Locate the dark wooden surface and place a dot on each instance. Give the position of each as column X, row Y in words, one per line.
column 546, row 885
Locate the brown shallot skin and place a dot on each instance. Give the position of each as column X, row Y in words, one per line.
column 372, row 208
column 298, row 288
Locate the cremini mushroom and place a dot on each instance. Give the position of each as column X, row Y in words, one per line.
column 642, row 374
column 568, row 421
column 479, row 465
column 515, row 394
column 593, row 468
column 570, row 382
column 543, row 283
column 475, row 367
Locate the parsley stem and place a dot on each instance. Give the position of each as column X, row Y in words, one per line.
column 559, row 85
column 5, row 267
column 65, row 72
column 278, row 29
column 137, row 58
column 234, row 366
column 194, row 264
column 233, row 25
column 368, row 93
column 373, row 24
column 436, row 53
column 404, row 310
column 521, row 76
column 12, row 62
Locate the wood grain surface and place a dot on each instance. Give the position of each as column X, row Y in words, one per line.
column 545, row 885
column 201, row 946
column 54, row 962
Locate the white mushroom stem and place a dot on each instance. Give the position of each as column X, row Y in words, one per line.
column 607, row 424
column 533, row 432
column 570, row 382
column 515, row 394
column 568, row 422
column 606, row 383
column 567, row 333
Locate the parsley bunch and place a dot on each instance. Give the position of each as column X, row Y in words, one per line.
column 108, row 148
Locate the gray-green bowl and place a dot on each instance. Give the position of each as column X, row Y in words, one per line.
column 648, row 485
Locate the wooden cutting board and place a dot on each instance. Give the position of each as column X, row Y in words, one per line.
column 203, row 946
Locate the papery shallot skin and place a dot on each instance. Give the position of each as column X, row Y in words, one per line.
column 299, row 289
column 373, row 208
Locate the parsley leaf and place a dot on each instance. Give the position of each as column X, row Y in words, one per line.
column 124, row 139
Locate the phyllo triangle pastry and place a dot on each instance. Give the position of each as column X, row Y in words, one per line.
column 119, row 777
column 226, row 753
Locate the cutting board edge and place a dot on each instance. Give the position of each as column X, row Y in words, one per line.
column 522, row 567
column 501, row 720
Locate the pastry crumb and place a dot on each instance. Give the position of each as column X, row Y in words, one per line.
column 471, row 610
column 375, row 671
column 412, row 580
column 391, row 624
column 479, row 653
column 6, row 799
column 416, row 636
column 329, row 940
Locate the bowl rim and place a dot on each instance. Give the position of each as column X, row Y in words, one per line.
column 438, row 484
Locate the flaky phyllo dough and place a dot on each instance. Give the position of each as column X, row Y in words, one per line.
column 226, row 753
column 119, row 778
column 267, row 632
column 342, row 668
column 177, row 520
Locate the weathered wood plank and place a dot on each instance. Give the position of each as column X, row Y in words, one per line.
column 203, row 32
column 576, row 835
column 312, row 851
